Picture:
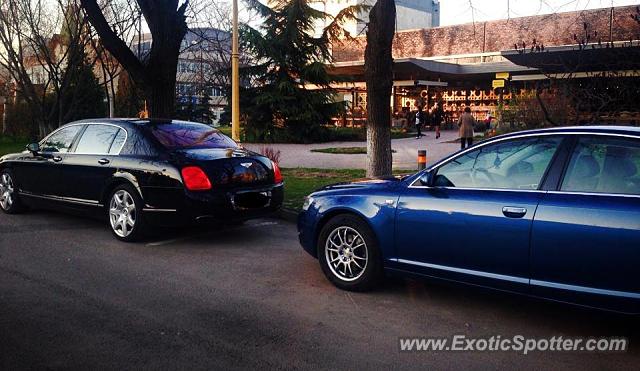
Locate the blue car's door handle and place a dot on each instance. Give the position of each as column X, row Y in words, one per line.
column 514, row 212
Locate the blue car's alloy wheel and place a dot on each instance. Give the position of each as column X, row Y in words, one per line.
column 348, row 253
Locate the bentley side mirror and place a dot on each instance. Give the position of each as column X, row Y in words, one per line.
column 33, row 148
column 426, row 179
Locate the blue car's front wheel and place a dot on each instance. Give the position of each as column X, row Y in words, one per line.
column 349, row 254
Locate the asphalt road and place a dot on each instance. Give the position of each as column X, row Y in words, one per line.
column 72, row 297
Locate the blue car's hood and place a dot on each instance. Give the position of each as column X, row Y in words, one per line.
column 363, row 184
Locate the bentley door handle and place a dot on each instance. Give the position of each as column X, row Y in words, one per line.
column 514, row 212
column 103, row 161
column 57, row 159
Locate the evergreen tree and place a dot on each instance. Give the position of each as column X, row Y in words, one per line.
column 289, row 57
column 203, row 108
column 186, row 108
column 84, row 97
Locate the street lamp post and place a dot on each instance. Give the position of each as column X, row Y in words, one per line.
column 235, row 77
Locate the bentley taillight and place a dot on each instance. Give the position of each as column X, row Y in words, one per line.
column 195, row 179
column 277, row 174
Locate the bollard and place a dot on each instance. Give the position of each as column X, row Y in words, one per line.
column 422, row 159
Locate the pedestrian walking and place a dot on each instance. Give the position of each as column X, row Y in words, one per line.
column 466, row 122
column 437, row 114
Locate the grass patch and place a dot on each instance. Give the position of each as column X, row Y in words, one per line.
column 299, row 182
column 344, row 134
column 360, row 134
column 335, row 134
column 11, row 145
column 344, row 150
column 399, row 134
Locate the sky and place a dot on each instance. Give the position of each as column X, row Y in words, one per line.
column 466, row 11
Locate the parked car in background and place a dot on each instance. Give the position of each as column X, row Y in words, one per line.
column 140, row 173
column 551, row 213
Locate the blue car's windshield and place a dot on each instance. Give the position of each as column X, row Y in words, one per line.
column 185, row 135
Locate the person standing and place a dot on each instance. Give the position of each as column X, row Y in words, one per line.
column 437, row 114
column 466, row 122
column 419, row 122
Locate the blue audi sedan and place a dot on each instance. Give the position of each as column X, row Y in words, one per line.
column 552, row 213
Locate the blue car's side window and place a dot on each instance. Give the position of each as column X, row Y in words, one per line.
column 604, row 165
column 514, row 164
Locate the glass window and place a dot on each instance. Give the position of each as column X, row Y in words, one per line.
column 97, row 139
column 514, row 164
column 182, row 135
column 604, row 165
column 118, row 142
column 62, row 140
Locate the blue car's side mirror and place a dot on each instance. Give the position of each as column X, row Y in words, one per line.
column 426, row 179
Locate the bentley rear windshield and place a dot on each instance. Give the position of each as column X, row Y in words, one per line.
column 185, row 135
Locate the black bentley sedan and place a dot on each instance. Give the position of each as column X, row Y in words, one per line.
column 140, row 173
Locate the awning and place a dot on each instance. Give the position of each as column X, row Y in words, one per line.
column 413, row 69
column 361, row 85
column 622, row 56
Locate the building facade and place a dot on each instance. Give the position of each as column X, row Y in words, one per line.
column 488, row 65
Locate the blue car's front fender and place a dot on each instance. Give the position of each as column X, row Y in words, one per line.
column 376, row 210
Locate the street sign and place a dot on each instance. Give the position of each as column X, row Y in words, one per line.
column 498, row 84
column 502, row 75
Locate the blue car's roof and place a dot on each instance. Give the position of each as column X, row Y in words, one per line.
column 609, row 129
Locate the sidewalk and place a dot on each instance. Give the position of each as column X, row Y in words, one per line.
column 405, row 158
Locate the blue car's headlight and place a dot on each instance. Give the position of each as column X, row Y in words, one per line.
column 308, row 201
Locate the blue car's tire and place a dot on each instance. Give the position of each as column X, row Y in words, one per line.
column 348, row 253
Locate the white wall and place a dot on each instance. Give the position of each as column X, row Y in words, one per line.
column 413, row 14
column 409, row 18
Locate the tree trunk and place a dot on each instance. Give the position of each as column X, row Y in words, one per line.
column 160, row 91
column 161, row 99
column 157, row 74
column 378, row 68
